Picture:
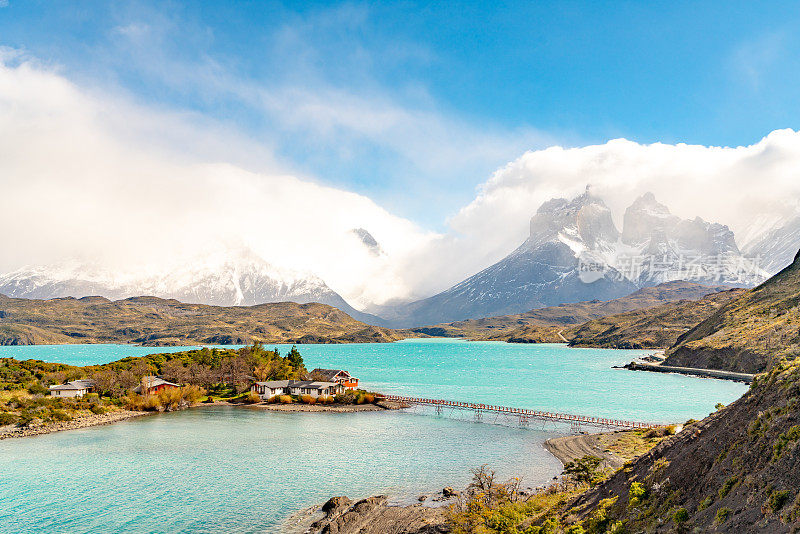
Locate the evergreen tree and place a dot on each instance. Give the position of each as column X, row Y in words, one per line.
column 294, row 358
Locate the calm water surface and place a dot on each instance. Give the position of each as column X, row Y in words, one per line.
column 238, row 470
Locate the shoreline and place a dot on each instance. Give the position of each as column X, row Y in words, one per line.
column 75, row 424
column 689, row 371
column 87, row 421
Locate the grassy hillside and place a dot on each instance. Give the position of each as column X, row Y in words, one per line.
column 154, row 321
column 735, row 471
column 657, row 327
column 749, row 333
column 544, row 325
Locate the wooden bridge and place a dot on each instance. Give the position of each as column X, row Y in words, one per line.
column 522, row 415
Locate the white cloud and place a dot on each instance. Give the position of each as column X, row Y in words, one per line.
column 106, row 180
column 85, row 174
column 733, row 186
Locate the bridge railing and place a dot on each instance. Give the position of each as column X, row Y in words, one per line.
column 553, row 416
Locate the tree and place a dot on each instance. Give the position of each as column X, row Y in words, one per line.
column 295, row 359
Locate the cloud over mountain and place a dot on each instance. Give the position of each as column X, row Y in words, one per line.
column 101, row 179
column 734, row 186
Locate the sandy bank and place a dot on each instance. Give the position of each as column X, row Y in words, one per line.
column 79, row 422
column 569, row 448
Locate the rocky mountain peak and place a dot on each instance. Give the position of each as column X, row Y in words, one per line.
column 584, row 220
column 648, row 224
column 645, row 219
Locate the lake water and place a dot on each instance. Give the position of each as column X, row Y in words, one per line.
column 217, row 469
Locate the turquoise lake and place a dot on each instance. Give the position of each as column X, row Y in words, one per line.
column 220, row 469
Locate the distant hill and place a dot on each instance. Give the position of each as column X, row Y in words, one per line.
column 234, row 277
column 544, row 324
column 155, row 321
column 749, row 333
column 649, row 328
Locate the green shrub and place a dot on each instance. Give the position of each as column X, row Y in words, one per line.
column 26, row 420
column 783, row 441
column 97, row 409
column 681, row 515
column 583, row 470
column 723, row 514
column 636, row 494
column 705, row 503
column 600, row 520
column 777, row 499
column 252, row 398
column 727, row 487
column 36, row 388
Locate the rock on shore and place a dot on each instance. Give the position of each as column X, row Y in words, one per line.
column 373, row 515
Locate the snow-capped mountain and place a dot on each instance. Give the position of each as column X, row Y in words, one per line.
column 574, row 252
column 657, row 247
column 237, row 279
column 776, row 248
column 543, row 271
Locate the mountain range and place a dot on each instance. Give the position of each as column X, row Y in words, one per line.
column 574, row 252
column 235, row 278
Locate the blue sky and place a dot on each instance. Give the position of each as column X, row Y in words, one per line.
column 416, row 104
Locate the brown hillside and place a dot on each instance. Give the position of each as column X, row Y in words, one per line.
column 747, row 334
column 544, row 324
column 155, row 321
column 657, row 327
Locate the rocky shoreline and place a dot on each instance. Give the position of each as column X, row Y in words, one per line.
column 373, row 515
column 81, row 422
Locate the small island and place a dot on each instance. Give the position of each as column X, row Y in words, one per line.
column 38, row 397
